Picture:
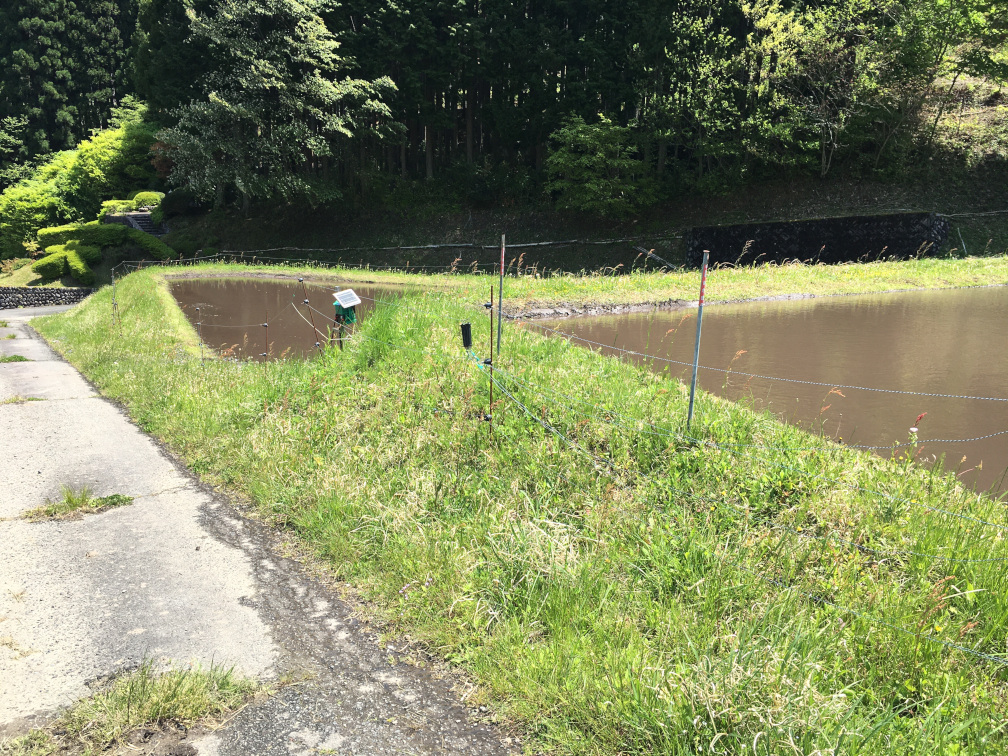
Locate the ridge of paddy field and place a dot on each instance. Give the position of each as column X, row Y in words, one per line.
column 534, row 296
column 610, row 584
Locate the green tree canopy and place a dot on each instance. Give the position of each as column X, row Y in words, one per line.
column 276, row 104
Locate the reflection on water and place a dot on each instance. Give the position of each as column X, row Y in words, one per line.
column 233, row 310
column 939, row 342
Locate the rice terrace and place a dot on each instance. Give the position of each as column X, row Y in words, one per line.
column 560, row 379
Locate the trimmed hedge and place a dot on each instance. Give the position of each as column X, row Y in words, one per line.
column 72, row 258
column 77, row 267
column 52, row 266
column 48, row 237
column 89, row 254
column 104, row 235
column 147, row 199
column 94, row 233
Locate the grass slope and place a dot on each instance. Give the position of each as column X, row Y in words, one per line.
column 614, row 586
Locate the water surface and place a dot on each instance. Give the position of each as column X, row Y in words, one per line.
column 232, row 312
column 937, row 342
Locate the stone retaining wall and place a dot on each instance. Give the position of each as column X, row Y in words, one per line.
column 827, row 240
column 27, row 296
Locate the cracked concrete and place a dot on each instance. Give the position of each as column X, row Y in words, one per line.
column 178, row 577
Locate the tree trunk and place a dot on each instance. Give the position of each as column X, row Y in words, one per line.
column 429, row 150
column 469, row 124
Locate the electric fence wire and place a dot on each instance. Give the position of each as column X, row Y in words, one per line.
column 646, row 356
column 250, row 326
column 860, row 547
column 815, row 598
column 473, row 245
column 659, row 430
column 892, row 499
column 975, row 215
column 602, row 462
column 707, row 500
column 253, row 256
column 780, row 584
column 567, row 335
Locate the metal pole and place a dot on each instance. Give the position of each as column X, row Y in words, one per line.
column 318, row 339
column 500, row 299
column 699, row 325
column 115, row 304
column 490, row 408
column 199, row 330
column 265, row 355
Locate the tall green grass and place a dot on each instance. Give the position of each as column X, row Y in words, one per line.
column 614, row 584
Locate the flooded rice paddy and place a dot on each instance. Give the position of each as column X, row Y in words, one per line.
column 860, row 369
column 814, row 353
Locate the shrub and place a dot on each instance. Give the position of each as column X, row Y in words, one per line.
column 32, row 204
column 78, row 268
column 71, row 185
column 71, row 258
column 48, row 237
column 52, row 266
column 97, row 234
column 147, row 199
column 114, row 207
column 102, row 236
column 178, row 202
column 89, row 254
column 150, row 244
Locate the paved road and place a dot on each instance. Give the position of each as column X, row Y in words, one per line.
column 179, row 576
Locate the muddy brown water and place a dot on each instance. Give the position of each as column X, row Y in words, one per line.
column 232, row 311
column 938, row 342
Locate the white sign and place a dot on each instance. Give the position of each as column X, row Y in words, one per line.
column 346, row 298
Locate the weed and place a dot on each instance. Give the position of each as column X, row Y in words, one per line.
column 143, row 698
column 11, row 336
column 4, row 324
column 17, row 399
column 75, row 503
column 13, row 358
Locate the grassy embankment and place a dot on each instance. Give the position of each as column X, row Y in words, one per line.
column 524, row 294
column 613, row 586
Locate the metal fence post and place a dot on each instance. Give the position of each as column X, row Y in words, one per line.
column 500, row 298
column 696, row 351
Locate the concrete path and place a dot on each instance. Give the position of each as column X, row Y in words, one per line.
column 179, row 576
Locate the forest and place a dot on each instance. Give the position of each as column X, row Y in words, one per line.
column 596, row 106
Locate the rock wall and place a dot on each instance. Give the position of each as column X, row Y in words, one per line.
column 828, row 240
column 26, row 296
